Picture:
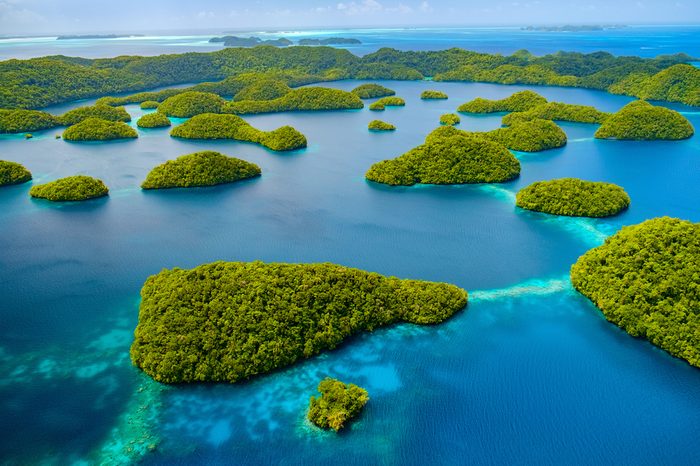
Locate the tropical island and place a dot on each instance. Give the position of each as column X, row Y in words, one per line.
column 518, row 102
column 338, row 404
column 573, row 197
column 390, row 101
column 449, row 157
column 224, row 126
column 206, row 168
column 153, row 120
column 72, row 188
column 645, row 280
column 103, row 112
column 433, row 95
column 379, row 125
column 372, row 91
column 97, row 129
column 20, row 121
column 449, row 119
column 209, row 324
column 191, row 103
column 640, row 120
column 235, row 41
column 559, row 111
column 302, row 99
column 13, row 173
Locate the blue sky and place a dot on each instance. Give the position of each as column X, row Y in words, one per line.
column 49, row 16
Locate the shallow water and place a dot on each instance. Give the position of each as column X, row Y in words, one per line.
column 530, row 372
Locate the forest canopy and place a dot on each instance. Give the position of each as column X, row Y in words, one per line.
column 153, row 120
column 379, row 125
column 518, row 102
column 338, row 404
column 229, row 321
column 372, row 91
column 305, row 98
column 96, row 129
column 191, row 103
column 72, row 188
column 645, row 280
column 21, row 121
column 573, row 197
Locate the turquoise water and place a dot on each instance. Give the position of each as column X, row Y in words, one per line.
column 643, row 41
column 529, row 373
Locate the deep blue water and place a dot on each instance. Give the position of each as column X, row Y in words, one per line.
column 529, row 373
column 643, row 41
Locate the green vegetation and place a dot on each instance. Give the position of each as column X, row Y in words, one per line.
column 573, row 197
column 13, row 173
column 449, row 119
column 95, row 129
column 228, row 321
column 39, row 82
column 379, row 125
column 263, row 89
column 21, row 121
column 640, row 120
column 205, row 168
column 307, row 98
column 337, row 404
column 372, row 91
column 529, row 136
column 149, row 104
column 103, row 112
column 433, row 95
column 191, row 103
column 153, row 120
column 518, row 102
column 215, row 126
column 559, row 111
column 449, row 156
column 384, row 102
column 72, row 188
column 645, row 280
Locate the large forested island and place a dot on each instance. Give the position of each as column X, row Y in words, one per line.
column 645, row 279
column 306, row 98
column 228, row 321
column 573, row 197
column 206, row 168
column 71, row 188
column 13, row 173
column 640, row 120
column 338, row 403
column 39, row 82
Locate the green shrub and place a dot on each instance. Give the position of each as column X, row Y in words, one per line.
column 103, row 112
column 449, row 119
column 21, row 121
column 518, row 102
column 72, row 188
column 379, row 125
column 149, row 104
column 264, row 89
column 153, row 120
column 338, row 404
column 307, row 98
column 371, row 91
column 205, row 168
column 215, row 126
column 573, row 197
column 645, row 279
column 95, row 129
column 13, row 173
column 228, row 321
column 433, row 95
column 558, row 111
column 449, row 157
column 640, row 120
column 191, row 103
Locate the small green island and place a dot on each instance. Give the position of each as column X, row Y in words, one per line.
column 206, row 168
column 191, row 103
column 379, row 125
column 223, row 126
column 153, row 120
column 338, row 404
column 13, row 173
column 72, row 188
column 558, row 111
column 149, row 104
column 229, row 321
column 302, row 99
column 433, row 95
column 449, row 119
column 645, row 280
column 449, row 157
column 573, row 197
column 21, row 121
column 103, row 112
column 639, row 120
column 518, row 102
column 384, row 102
column 372, row 91
column 96, row 129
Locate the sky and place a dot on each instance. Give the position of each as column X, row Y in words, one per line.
column 26, row 17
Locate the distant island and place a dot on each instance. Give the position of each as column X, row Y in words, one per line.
column 330, row 41
column 97, row 36
column 573, row 28
column 237, row 41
